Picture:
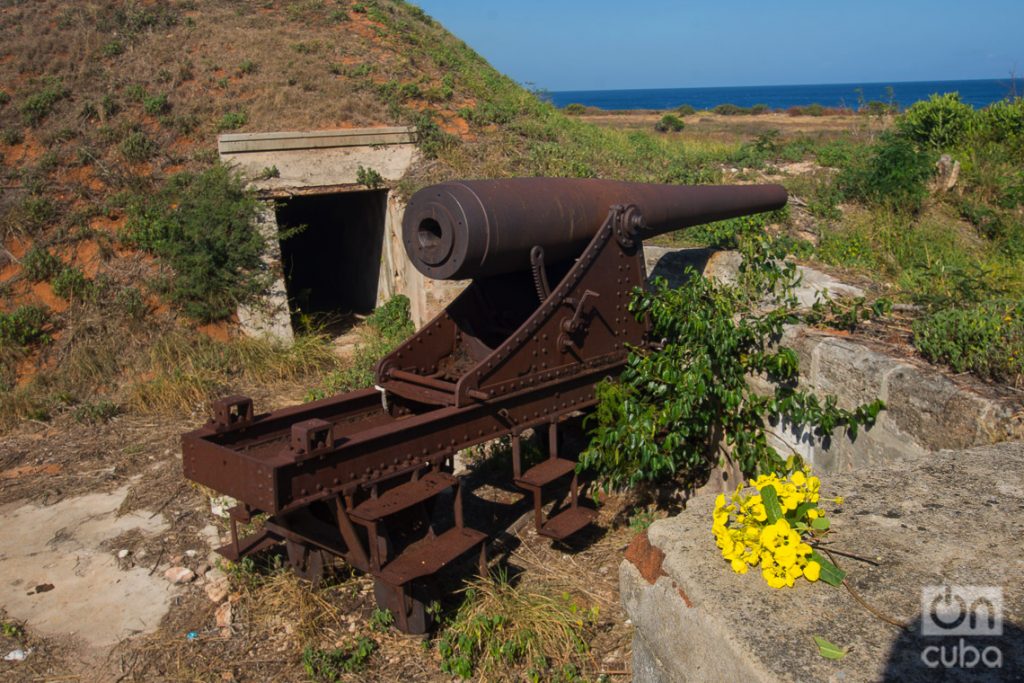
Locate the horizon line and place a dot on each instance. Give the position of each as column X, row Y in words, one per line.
column 1009, row 79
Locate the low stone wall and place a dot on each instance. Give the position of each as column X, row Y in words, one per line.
column 946, row 518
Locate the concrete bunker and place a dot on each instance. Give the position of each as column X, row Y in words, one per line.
column 331, row 253
column 348, row 258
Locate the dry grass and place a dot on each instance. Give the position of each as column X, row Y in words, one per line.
column 185, row 371
column 508, row 631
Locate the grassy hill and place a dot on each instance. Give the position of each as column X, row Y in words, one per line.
column 126, row 248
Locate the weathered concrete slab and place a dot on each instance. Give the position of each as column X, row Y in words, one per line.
column 88, row 596
column 949, row 518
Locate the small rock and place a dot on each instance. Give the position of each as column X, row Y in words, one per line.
column 217, row 591
column 141, row 554
column 223, row 615
column 203, row 568
column 178, row 575
column 177, row 559
column 16, row 655
column 191, row 553
column 352, row 628
column 123, row 553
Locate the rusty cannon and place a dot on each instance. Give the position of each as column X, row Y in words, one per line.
column 359, row 476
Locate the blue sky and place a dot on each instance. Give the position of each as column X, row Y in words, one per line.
column 601, row 44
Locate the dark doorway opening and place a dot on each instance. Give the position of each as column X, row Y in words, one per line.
column 332, row 264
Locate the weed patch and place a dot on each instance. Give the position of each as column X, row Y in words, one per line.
column 202, row 227
column 508, row 632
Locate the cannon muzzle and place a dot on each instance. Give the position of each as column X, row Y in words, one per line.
column 477, row 228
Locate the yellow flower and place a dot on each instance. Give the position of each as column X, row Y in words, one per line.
column 799, row 478
column 813, row 514
column 739, row 566
column 812, row 571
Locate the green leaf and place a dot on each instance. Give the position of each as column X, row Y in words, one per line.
column 829, row 650
column 830, row 573
column 821, row 524
column 800, row 511
column 771, row 504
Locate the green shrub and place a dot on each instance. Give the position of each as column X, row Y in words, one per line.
column 369, row 177
column 4, row 98
column 23, row 326
column 248, row 67
column 38, row 105
column 574, row 109
column 232, row 120
column 758, row 109
column 329, row 666
column 71, row 283
column 155, row 104
column 894, row 174
column 669, row 123
column 113, row 48
column 813, row 110
column 942, row 122
column 730, row 110
column 37, row 212
column 39, row 264
column 685, row 110
column 674, row 407
column 1002, row 122
column 986, row 339
column 136, row 147
column 202, row 228
column 11, row 136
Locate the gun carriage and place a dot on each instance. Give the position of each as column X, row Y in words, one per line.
column 553, row 264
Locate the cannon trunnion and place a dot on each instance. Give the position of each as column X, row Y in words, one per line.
column 361, row 475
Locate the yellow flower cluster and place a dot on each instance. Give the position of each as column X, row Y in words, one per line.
column 758, row 527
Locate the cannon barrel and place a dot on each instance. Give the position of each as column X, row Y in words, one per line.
column 478, row 228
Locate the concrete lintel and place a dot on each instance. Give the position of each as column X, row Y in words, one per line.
column 236, row 143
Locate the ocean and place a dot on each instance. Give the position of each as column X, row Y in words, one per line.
column 978, row 93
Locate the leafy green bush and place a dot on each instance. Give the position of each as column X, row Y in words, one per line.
column 23, row 326
column 730, row 110
column 11, row 136
column 685, row 110
column 1002, row 122
column 113, row 48
column 813, row 110
column 155, row 104
column 203, row 228
column 38, row 105
column 986, row 339
column 894, row 174
column 669, row 123
column 39, row 264
column 942, row 122
column 136, row 147
column 574, row 109
column 675, row 407
column 71, row 283
column 758, row 109
column 329, row 666
column 232, row 120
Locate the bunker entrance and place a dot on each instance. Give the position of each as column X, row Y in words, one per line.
column 331, row 254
